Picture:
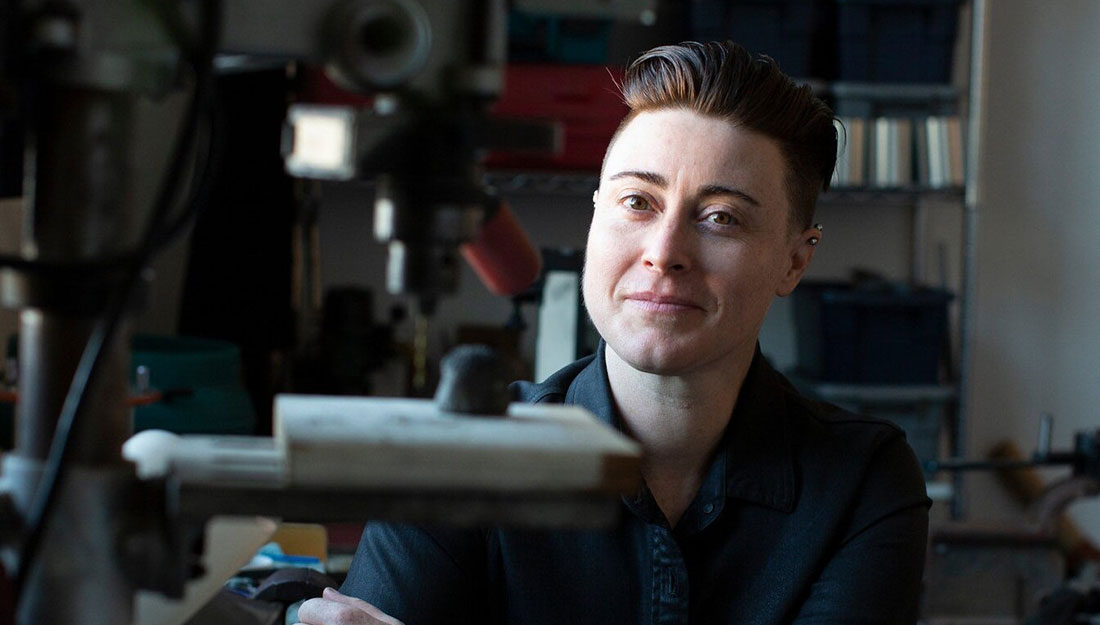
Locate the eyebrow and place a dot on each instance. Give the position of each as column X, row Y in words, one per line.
column 717, row 189
column 706, row 191
column 647, row 176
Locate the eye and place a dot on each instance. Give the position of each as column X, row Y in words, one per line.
column 720, row 218
column 636, row 202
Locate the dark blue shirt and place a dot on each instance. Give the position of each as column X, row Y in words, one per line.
column 807, row 514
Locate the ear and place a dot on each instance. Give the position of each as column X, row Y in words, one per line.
column 802, row 247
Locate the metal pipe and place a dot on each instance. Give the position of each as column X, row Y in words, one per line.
column 979, row 49
column 81, row 209
column 78, row 577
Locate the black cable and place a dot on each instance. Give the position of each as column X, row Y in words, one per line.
column 208, row 161
column 74, row 406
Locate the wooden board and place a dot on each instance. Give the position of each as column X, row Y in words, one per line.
column 407, row 444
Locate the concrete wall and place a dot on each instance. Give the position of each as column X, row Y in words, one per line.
column 1037, row 330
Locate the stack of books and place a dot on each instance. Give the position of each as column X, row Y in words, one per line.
column 891, row 152
column 899, row 153
column 940, row 153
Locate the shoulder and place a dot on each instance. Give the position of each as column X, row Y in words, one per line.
column 830, row 426
column 844, row 453
column 555, row 388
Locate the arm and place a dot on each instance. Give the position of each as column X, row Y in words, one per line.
column 874, row 576
column 419, row 574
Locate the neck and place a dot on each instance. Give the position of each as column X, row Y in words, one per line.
column 678, row 421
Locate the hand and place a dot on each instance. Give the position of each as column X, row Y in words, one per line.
column 334, row 608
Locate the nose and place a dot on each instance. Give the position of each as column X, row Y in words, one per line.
column 668, row 247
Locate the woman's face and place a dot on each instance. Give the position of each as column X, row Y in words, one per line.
column 690, row 240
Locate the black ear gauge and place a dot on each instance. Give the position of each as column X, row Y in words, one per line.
column 813, row 240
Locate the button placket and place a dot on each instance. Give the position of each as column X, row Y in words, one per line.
column 670, row 581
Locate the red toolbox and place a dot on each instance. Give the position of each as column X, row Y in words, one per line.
column 584, row 99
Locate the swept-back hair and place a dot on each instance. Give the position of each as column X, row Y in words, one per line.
column 721, row 79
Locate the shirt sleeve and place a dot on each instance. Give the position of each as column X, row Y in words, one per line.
column 419, row 574
column 874, row 576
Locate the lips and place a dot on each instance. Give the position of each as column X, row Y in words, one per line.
column 662, row 303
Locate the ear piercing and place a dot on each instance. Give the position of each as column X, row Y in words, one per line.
column 814, row 240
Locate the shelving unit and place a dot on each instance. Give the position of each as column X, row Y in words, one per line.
column 949, row 399
column 930, row 414
column 901, row 197
column 542, row 183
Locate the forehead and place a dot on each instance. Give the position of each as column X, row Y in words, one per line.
column 694, row 149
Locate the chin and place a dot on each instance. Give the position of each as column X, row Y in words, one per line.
column 657, row 359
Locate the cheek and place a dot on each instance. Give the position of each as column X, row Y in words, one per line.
column 593, row 253
column 743, row 274
column 605, row 262
column 596, row 269
column 604, row 250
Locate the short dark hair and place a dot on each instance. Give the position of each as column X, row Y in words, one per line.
column 721, row 79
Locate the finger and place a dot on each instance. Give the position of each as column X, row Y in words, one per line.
column 312, row 612
column 332, row 594
column 325, row 612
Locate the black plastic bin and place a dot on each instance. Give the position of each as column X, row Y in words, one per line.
column 881, row 335
column 781, row 29
column 907, row 41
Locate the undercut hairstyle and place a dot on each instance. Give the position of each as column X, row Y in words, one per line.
column 721, row 79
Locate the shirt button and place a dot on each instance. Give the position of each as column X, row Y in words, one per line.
column 708, row 508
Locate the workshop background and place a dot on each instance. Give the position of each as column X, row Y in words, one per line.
column 1034, row 343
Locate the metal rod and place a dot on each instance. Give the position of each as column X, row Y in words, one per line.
column 963, row 464
column 77, row 213
column 1046, row 427
column 979, row 49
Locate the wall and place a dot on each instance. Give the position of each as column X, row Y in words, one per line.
column 1037, row 330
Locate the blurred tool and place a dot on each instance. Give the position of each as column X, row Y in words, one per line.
column 1083, row 459
column 1031, row 558
column 474, row 381
column 73, row 74
column 1028, row 488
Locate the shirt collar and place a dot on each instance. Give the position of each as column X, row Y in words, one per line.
column 592, row 389
column 755, row 449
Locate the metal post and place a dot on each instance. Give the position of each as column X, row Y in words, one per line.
column 81, row 210
column 975, row 125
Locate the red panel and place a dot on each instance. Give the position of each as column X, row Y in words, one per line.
column 585, row 99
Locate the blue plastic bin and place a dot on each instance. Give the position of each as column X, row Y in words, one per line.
column 906, row 41
column 887, row 335
column 782, row 29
